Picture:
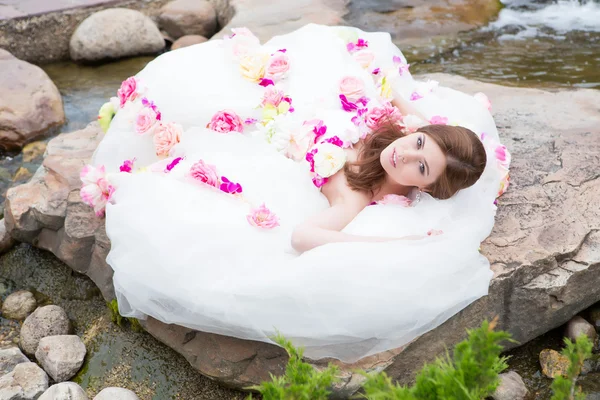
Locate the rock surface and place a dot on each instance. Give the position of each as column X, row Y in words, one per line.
column 19, row 305
column 61, row 356
column 188, row 40
column 27, row 381
column 64, row 391
column 578, row 326
column 30, row 104
column 115, row 33
column 6, row 241
column 511, row 387
column 188, row 17
column 543, row 248
column 114, row 393
column 45, row 321
column 9, row 358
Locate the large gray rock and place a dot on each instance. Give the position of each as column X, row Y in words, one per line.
column 30, row 103
column 9, row 358
column 45, row 321
column 115, row 33
column 64, row 391
column 543, row 249
column 6, row 241
column 19, row 305
column 511, row 387
column 115, row 393
column 61, row 356
column 27, row 381
column 188, row 17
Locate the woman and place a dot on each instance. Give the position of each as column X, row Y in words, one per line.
column 222, row 155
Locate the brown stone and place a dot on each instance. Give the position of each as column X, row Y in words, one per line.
column 188, row 17
column 578, row 326
column 30, row 104
column 188, row 40
column 6, row 241
column 553, row 363
column 33, row 151
column 543, row 248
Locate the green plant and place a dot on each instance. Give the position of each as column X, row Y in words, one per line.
column 301, row 381
column 471, row 373
column 564, row 388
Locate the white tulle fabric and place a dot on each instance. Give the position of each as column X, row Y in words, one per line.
column 186, row 255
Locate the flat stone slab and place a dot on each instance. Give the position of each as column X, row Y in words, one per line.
column 544, row 249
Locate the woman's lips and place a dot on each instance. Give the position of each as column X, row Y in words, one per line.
column 393, row 158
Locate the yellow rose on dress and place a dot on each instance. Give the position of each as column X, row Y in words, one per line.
column 252, row 66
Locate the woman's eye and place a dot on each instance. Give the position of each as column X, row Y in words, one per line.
column 421, row 167
column 419, row 143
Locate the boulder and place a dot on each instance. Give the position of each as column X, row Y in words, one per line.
column 578, row 326
column 27, row 381
column 115, row 33
column 9, row 358
column 45, row 321
column 61, row 356
column 114, row 393
column 543, row 249
column 64, row 391
column 6, row 241
column 511, row 387
column 30, row 104
column 188, row 40
column 19, row 305
column 188, row 17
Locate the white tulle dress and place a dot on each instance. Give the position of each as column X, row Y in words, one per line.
column 189, row 251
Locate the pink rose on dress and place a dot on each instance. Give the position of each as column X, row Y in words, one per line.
column 262, row 217
column 483, row 99
column 272, row 96
column 225, row 121
column 145, row 120
column 277, row 66
column 438, row 120
column 502, row 155
column 127, row 91
column 352, row 87
column 377, row 116
column 242, row 42
column 205, row 173
column 166, row 136
column 96, row 191
column 395, row 199
column 364, row 58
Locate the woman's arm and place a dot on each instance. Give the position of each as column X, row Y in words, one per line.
column 325, row 228
column 405, row 107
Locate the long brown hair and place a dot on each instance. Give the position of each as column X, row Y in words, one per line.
column 465, row 159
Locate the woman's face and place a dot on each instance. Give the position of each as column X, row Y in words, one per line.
column 413, row 160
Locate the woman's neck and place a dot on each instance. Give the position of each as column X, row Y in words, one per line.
column 390, row 187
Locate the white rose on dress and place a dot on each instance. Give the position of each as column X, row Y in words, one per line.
column 329, row 159
column 290, row 137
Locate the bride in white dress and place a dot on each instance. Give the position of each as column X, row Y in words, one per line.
column 234, row 203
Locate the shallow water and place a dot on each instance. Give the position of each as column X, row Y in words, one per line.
column 551, row 43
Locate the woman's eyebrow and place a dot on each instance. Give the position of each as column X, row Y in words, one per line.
column 424, row 160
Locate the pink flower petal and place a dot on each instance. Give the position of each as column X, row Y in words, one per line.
column 265, row 82
column 415, row 96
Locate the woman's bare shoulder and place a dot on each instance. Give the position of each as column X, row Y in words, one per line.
column 337, row 191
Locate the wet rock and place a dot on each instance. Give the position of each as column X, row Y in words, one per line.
column 26, row 381
column 22, row 175
column 188, row 40
column 579, row 326
column 33, row 151
column 61, row 356
column 30, row 103
column 9, row 358
column 45, row 321
column 114, row 393
column 19, row 305
column 553, row 363
column 6, row 240
column 188, row 17
column 115, row 33
column 64, row 391
column 511, row 387
column 594, row 316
